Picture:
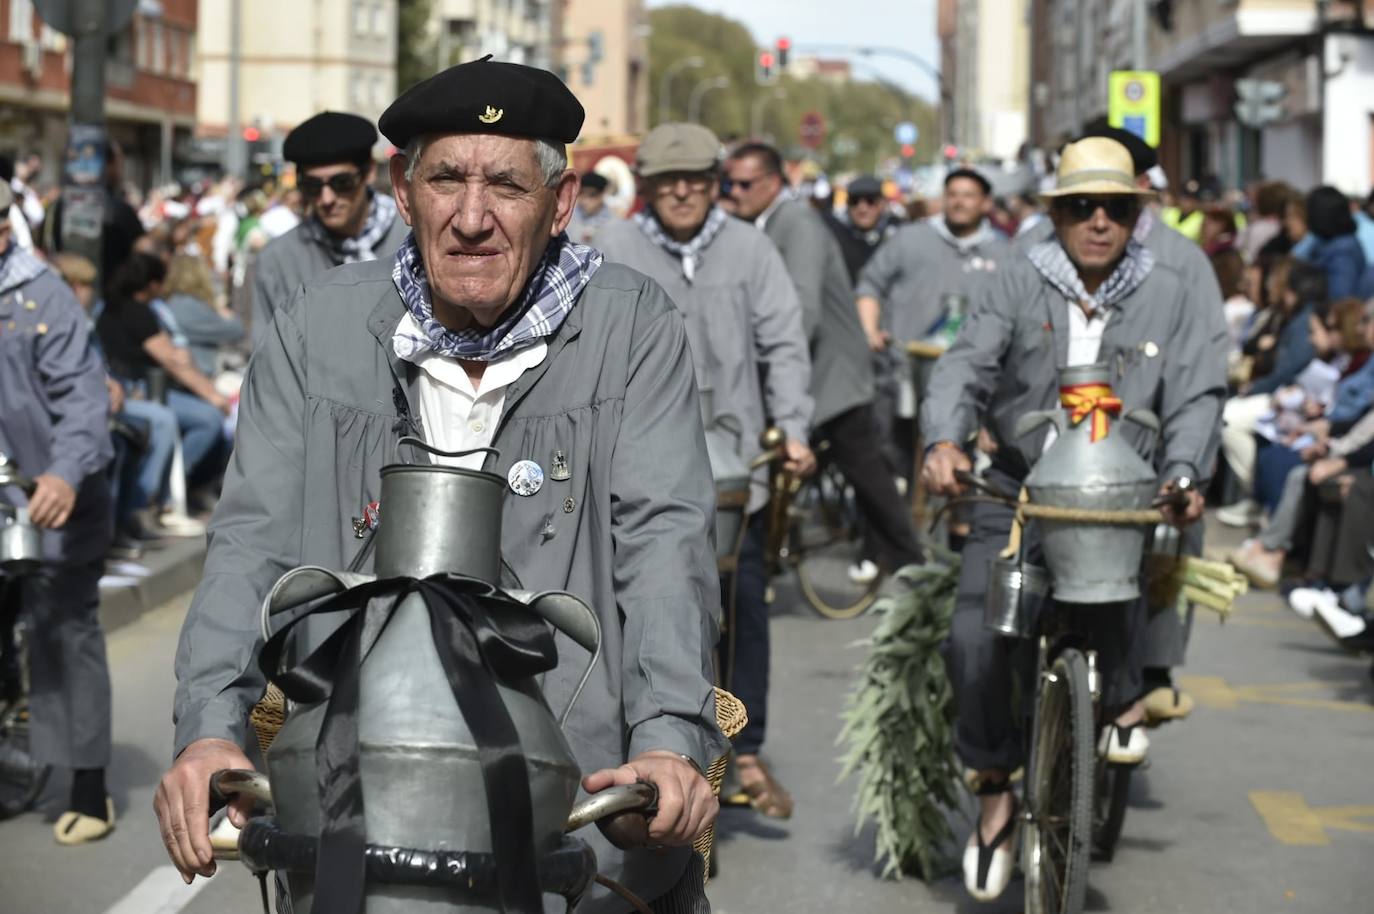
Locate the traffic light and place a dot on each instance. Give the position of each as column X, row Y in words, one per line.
column 951, row 152
column 908, row 151
column 784, row 46
column 764, row 72
column 251, row 134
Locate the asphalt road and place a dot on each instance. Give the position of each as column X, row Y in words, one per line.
column 1261, row 802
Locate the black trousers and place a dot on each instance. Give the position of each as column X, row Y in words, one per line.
column 744, row 649
column 889, row 536
column 983, row 666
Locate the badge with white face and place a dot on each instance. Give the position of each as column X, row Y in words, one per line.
column 525, row 478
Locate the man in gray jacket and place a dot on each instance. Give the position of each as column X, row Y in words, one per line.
column 841, row 367
column 1093, row 294
column 744, row 320
column 346, row 220
column 488, row 328
column 902, row 288
column 54, row 410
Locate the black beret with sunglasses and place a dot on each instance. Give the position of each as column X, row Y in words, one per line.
column 329, row 137
column 486, row 96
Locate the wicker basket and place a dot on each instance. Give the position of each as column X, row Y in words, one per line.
column 269, row 714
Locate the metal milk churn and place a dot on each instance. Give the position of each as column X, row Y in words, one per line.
column 21, row 543
column 729, row 470
column 421, row 774
column 1089, row 467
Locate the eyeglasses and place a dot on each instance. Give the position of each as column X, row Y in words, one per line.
column 343, row 183
column 865, row 198
column 727, row 185
column 1120, row 210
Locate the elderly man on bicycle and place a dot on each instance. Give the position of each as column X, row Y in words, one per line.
column 1091, row 294
column 489, row 327
column 54, row 410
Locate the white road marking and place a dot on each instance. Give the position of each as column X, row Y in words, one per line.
column 160, row 892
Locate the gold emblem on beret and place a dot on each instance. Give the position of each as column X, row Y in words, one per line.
column 492, row 115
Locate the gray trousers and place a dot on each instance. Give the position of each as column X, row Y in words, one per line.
column 69, row 677
column 985, row 668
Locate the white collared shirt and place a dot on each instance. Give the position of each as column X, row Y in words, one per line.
column 1085, row 344
column 456, row 416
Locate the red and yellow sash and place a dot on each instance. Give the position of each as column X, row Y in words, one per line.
column 1093, row 400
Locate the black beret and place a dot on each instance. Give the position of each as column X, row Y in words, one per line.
column 1143, row 155
column 593, row 181
column 330, row 136
column 972, row 176
column 486, row 96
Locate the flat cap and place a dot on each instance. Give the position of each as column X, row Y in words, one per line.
column 330, row 136
column 678, row 147
column 486, row 96
column 1143, row 155
column 865, row 186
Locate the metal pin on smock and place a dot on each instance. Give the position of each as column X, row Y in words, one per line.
column 559, row 470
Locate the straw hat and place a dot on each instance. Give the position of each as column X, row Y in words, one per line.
column 1095, row 166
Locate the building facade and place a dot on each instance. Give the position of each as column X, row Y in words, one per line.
column 986, row 45
column 295, row 59
column 150, row 92
column 519, row 31
column 1313, row 59
column 602, row 53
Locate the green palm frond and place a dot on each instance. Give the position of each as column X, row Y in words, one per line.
column 898, row 732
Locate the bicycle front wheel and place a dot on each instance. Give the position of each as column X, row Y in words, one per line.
column 1060, row 804
column 21, row 778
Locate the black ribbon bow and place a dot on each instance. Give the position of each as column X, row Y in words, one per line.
column 482, row 636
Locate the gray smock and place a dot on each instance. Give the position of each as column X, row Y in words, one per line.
column 911, row 271
column 841, row 364
column 294, row 259
column 744, row 321
column 54, row 412
column 1162, row 352
column 323, row 404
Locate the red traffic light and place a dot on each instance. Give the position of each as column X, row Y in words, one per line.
column 252, row 134
column 951, row 151
column 784, row 44
column 765, row 59
column 908, row 151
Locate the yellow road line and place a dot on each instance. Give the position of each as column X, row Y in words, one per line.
column 1291, row 821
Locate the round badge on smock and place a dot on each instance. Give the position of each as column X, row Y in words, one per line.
column 1151, row 349
column 525, row 478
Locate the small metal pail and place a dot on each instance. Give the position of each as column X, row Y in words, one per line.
column 1016, row 589
column 21, row 543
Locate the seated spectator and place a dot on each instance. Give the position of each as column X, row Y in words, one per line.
column 138, row 478
column 1270, row 199
column 1289, row 340
column 1218, row 232
column 1332, row 245
column 190, row 296
column 139, row 350
column 1294, row 227
column 1237, row 305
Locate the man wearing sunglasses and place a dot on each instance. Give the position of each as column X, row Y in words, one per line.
column 841, row 369
column 1091, row 294
column 867, row 221
column 745, row 324
column 346, row 220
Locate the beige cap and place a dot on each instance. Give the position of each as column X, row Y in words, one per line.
column 678, row 147
column 1095, row 166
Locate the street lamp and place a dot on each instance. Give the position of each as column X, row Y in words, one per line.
column 700, row 90
column 665, row 84
column 756, row 112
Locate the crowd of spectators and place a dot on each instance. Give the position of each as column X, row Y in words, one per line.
column 1297, row 276
column 168, row 307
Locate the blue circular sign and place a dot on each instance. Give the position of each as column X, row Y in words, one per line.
column 906, row 134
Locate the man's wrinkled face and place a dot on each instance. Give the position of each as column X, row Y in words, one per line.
column 482, row 216
column 864, row 211
column 337, row 195
column 1095, row 230
column 965, row 204
column 752, row 186
column 681, row 200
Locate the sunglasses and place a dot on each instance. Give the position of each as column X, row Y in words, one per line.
column 342, row 184
column 1120, row 210
column 871, row 201
column 727, row 185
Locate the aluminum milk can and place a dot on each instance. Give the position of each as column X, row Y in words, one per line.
column 1090, row 467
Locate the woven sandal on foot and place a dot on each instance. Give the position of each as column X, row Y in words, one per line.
column 988, row 866
column 765, row 794
column 78, row 828
column 1165, row 704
